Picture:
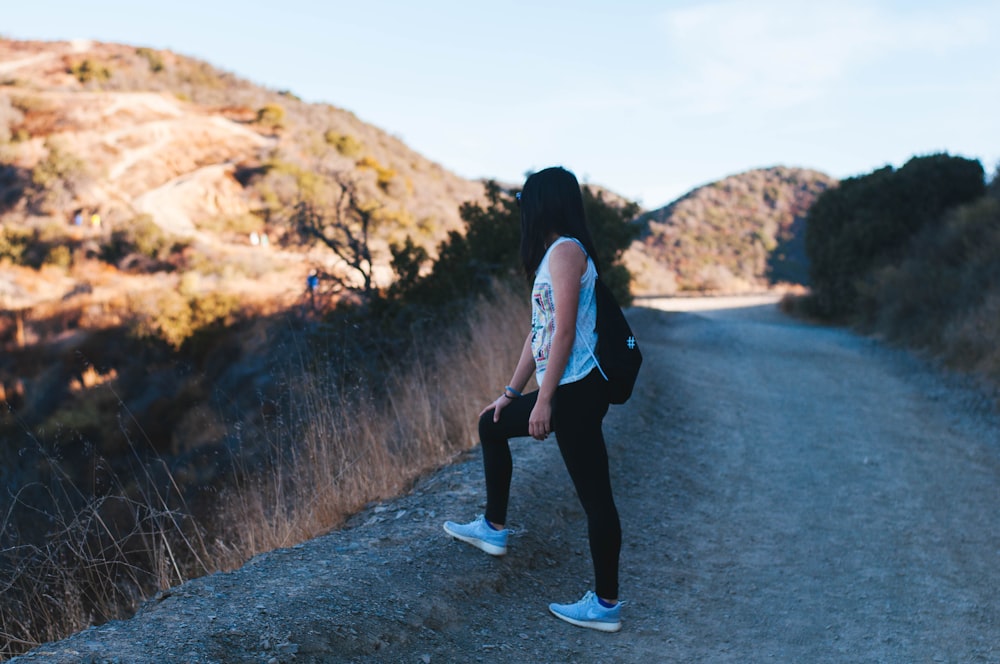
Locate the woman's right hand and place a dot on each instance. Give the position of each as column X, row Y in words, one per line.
column 498, row 405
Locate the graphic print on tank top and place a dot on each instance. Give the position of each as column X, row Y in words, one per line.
column 543, row 324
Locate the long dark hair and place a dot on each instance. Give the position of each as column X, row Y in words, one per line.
column 551, row 202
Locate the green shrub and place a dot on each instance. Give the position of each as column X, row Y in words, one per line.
column 384, row 175
column 57, row 179
column 175, row 317
column 469, row 265
column 408, row 261
column 10, row 117
column 200, row 76
column 948, row 271
column 612, row 230
column 14, row 243
column 34, row 248
column 148, row 238
column 972, row 338
column 58, row 165
column 271, row 115
column 154, row 59
column 345, row 144
column 867, row 221
column 141, row 236
column 59, row 255
column 86, row 71
column 284, row 184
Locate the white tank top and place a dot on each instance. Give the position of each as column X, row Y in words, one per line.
column 543, row 320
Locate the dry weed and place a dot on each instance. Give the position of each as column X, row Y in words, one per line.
column 342, row 449
column 336, row 450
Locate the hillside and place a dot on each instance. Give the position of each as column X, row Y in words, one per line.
column 152, row 285
column 146, row 198
column 741, row 233
column 123, row 132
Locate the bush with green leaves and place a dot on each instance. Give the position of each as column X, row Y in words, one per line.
column 10, row 117
column 949, row 270
column 59, row 255
column 271, row 115
column 384, row 175
column 611, row 225
column 176, row 317
column 468, row 265
column 154, row 59
column 345, row 144
column 14, row 244
column 144, row 238
column 867, row 222
column 87, row 71
column 282, row 184
column 57, row 179
column 36, row 247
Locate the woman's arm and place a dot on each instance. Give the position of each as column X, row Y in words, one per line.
column 567, row 265
column 525, row 367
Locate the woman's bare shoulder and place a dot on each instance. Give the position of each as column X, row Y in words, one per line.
column 568, row 256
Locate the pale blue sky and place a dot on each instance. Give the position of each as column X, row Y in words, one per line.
column 648, row 98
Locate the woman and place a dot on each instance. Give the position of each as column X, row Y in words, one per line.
column 558, row 256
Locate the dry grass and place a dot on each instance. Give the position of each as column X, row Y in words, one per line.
column 335, row 450
column 942, row 298
column 96, row 562
column 350, row 447
column 972, row 340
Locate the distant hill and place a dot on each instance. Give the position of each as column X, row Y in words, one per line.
column 123, row 132
column 738, row 234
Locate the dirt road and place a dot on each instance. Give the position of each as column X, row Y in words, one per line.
column 789, row 493
column 829, row 499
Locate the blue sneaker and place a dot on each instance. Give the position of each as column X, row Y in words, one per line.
column 588, row 612
column 480, row 535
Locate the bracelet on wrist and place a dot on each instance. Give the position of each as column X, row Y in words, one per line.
column 510, row 389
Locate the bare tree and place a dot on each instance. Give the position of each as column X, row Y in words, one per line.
column 345, row 227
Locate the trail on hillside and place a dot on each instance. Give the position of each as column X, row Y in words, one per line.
column 788, row 492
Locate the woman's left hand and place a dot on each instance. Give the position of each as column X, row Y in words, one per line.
column 540, row 420
column 498, row 405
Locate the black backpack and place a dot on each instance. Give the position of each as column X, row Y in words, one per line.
column 617, row 349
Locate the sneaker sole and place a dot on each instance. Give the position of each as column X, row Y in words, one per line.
column 491, row 549
column 589, row 624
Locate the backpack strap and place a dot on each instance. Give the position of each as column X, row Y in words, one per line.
column 596, row 315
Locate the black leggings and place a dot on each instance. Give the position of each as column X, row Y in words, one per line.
column 577, row 412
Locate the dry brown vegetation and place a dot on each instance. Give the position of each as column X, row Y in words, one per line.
column 330, row 448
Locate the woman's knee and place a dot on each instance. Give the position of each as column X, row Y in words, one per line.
column 489, row 431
